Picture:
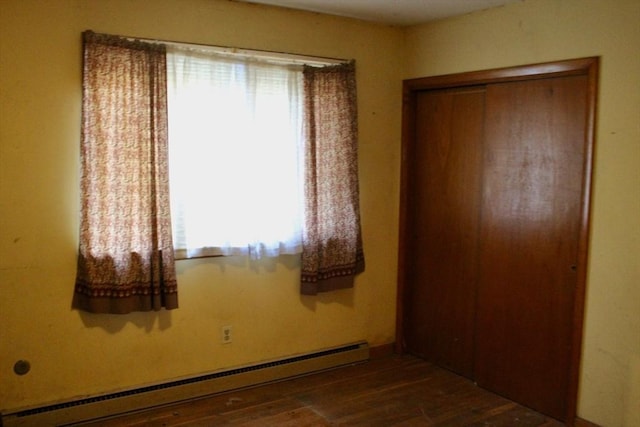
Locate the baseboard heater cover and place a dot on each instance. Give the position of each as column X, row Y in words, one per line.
column 146, row 397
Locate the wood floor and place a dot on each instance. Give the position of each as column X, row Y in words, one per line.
column 391, row 391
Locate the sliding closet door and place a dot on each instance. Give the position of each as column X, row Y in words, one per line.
column 534, row 164
column 444, row 199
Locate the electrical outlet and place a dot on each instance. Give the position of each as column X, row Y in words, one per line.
column 227, row 337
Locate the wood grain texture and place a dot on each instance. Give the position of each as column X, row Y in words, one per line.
column 392, row 391
column 586, row 69
column 444, row 201
column 531, row 213
column 570, row 67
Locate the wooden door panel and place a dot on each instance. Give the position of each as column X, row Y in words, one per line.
column 444, row 205
column 531, row 211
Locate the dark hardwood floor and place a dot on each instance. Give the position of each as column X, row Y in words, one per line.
column 390, row 391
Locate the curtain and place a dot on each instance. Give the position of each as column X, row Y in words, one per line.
column 235, row 141
column 125, row 260
column 332, row 251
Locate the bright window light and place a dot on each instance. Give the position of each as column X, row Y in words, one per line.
column 235, row 155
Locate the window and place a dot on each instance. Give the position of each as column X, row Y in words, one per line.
column 235, row 154
column 262, row 160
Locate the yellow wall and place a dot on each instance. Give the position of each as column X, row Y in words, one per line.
column 74, row 353
column 546, row 30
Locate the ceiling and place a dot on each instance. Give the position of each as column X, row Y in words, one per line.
column 392, row 12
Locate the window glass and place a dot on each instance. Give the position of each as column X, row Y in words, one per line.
column 235, row 155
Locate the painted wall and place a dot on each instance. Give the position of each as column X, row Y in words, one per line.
column 535, row 31
column 74, row 353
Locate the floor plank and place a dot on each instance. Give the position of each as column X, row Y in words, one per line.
column 392, row 391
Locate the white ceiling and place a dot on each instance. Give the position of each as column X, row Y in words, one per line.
column 393, row 12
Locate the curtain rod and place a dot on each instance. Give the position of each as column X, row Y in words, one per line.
column 295, row 57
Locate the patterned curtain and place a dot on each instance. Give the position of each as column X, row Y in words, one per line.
column 125, row 260
column 332, row 241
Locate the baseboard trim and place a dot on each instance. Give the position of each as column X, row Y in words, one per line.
column 579, row 422
column 380, row 351
column 110, row 404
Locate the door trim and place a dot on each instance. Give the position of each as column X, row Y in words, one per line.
column 581, row 66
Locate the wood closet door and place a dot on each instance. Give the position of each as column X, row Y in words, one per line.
column 444, row 200
column 534, row 157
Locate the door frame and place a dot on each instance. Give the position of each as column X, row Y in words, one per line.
column 582, row 66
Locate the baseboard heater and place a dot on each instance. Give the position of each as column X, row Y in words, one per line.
column 146, row 397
